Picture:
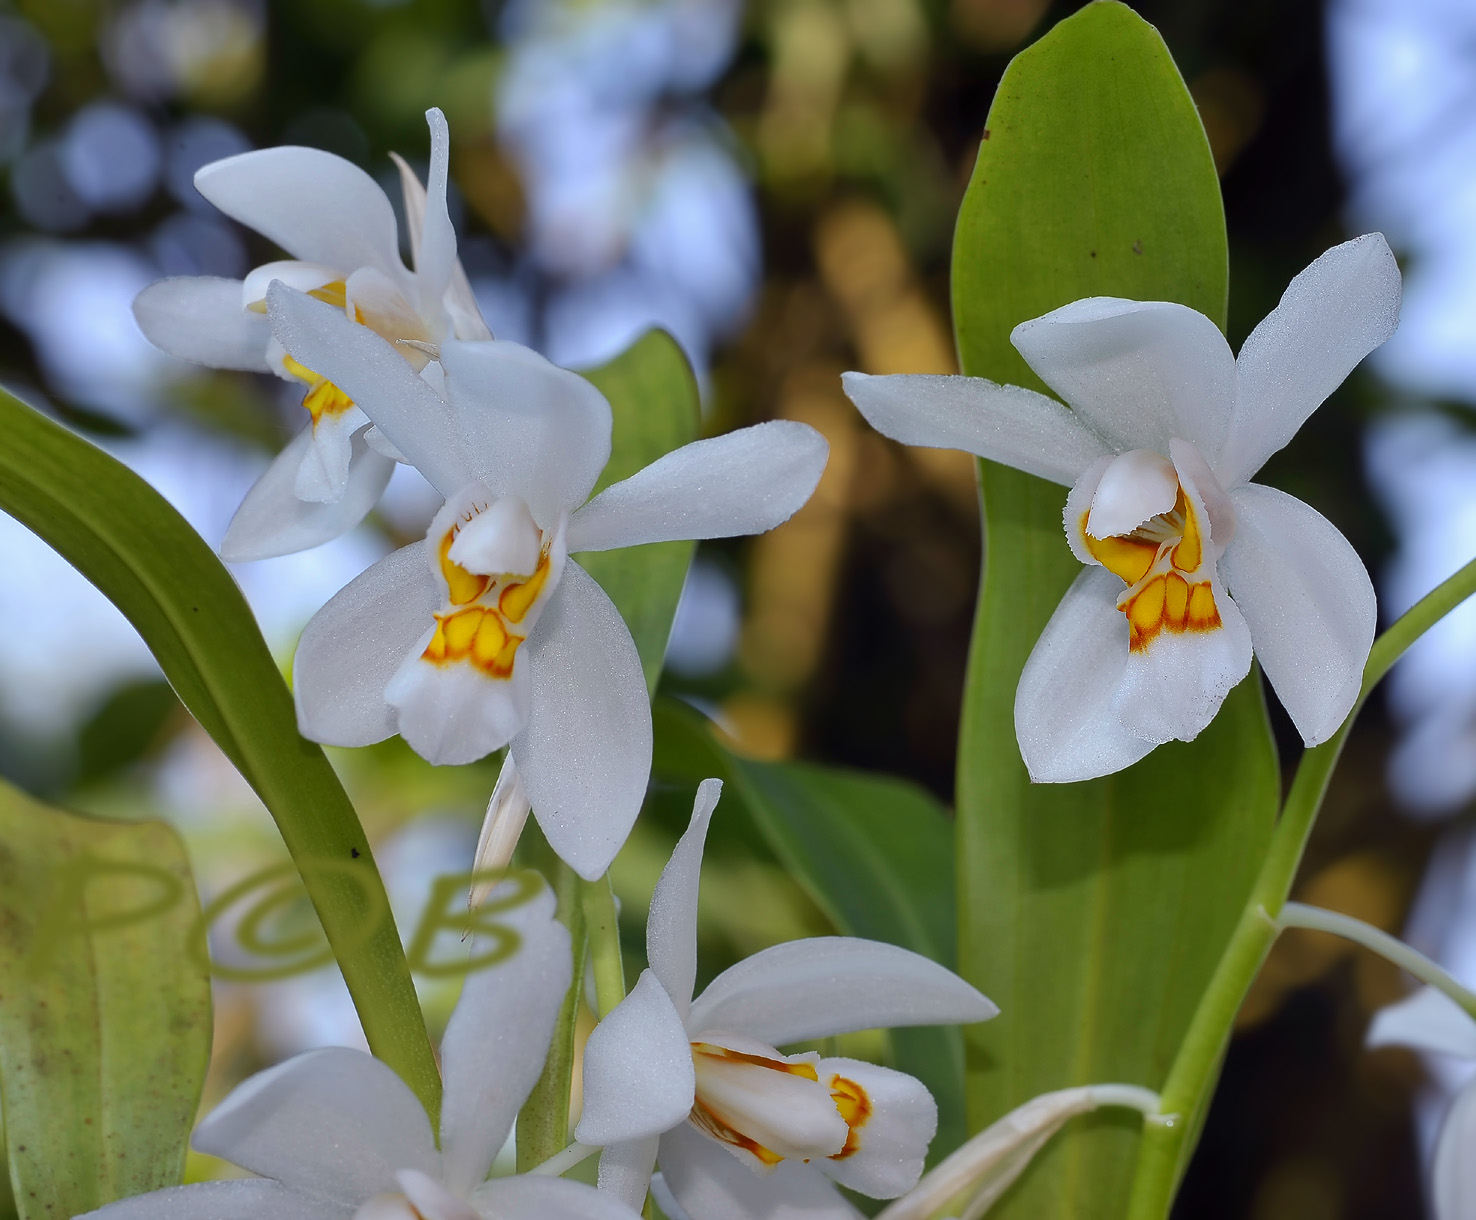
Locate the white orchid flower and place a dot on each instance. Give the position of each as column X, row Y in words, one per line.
column 340, row 229
column 1189, row 564
column 334, row 1134
column 487, row 634
column 742, row 1131
column 1428, row 1020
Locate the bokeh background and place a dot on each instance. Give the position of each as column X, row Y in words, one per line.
column 774, row 182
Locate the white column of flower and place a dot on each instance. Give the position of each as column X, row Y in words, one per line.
column 334, row 1134
column 741, row 1131
column 340, row 229
column 487, row 634
column 1190, row 566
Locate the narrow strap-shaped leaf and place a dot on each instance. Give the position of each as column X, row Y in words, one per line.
column 104, row 1017
column 128, row 541
column 1092, row 913
column 653, row 397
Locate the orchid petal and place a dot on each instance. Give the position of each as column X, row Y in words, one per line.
column 322, row 475
column 744, row 482
column 1427, row 1020
column 1172, row 688
column 374, row 300
column 455, row 714
column 709, row 1183
column 1078, row 509
column 498, row 1036
column 585, row 753
column 827, row 985
column 461, row 303
column 530, row 1197
column 316, row 206
column 537, row 431
column 292, row 272
column 272, row 521
column 436, row 254
column 1003, row 423
column 246, row 1199
column 1139, row 372
column 638, row 1077
column 1308, row 601
column 1453, row 1180
column 336, row 1123
column 200, row 318
column 671, row 924
column 889, row 1138
column 384, row 387
column 429, row 1200
column 1064, row 720
column 1341, row 307
column 353, row 646
column 625, row 1170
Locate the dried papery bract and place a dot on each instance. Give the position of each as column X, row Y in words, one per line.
column 968, row 1182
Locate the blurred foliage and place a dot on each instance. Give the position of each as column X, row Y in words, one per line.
column 859, row 121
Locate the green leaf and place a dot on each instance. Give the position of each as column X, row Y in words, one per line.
column 1092, row 913
column 873, row 852
column 104, row 1018
column 129, row 542
column 653, row 395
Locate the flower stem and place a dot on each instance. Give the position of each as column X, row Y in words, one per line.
column 604, row 943
column 562, row 1162
column 543, row 1122
column 1165, row 1148
column 1300, row 915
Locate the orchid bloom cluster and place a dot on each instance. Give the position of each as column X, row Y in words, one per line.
column 488, row 635
column 334, row 1134
column 741, row 1130
column 341, row 230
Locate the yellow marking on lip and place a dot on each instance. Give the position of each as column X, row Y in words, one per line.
column 855, row 1107
column 1157, row 570
column 324, row 400
column 465, row 586
column 517, row 599
column 476, row 635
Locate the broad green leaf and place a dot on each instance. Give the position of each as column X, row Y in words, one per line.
column 129, row 542
column 1092, row 913
column 874, row 852
column 104, row 1018
column 654, row 399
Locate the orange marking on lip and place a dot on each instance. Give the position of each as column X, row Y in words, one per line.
column 717, row 1125
column 477, row 635
column 1157, row 570
column 855, row 1107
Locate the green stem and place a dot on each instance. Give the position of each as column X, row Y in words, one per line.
column 543, row 1122
column 604, row 943
column 1192, row 1076
column 1391, row 948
